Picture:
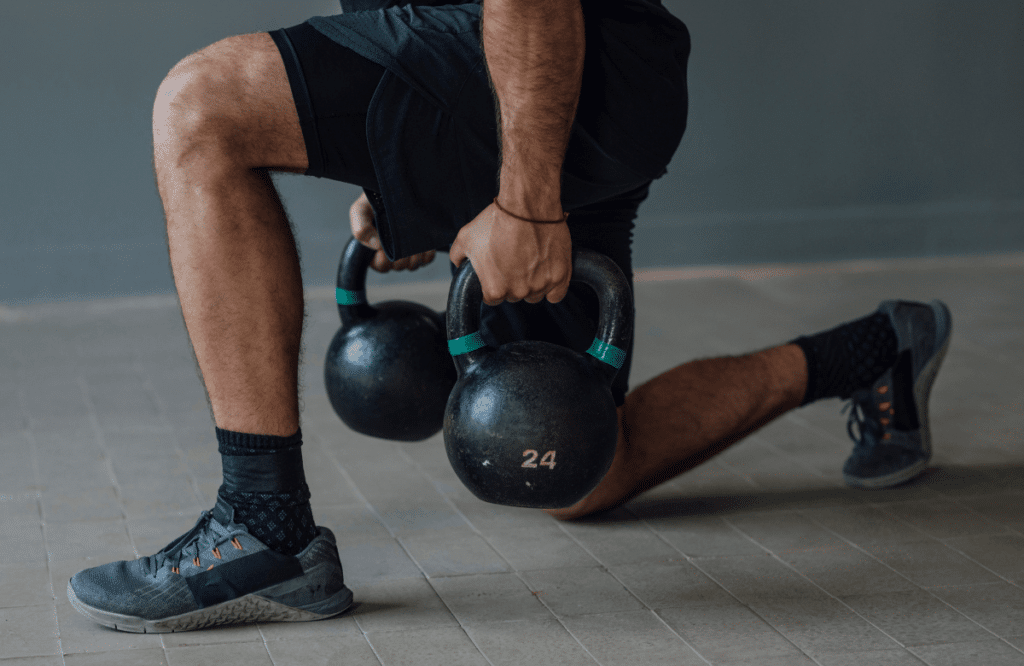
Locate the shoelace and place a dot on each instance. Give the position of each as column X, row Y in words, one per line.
column 177, row 548
column 871, row 418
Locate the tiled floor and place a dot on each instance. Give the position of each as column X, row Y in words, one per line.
column 760, row 557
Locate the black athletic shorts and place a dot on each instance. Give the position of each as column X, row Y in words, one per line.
column 395, row 99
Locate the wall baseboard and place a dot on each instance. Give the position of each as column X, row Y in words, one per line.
column 37, row 274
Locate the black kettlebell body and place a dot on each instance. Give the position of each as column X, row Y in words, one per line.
column 531, row 423
column 388, row 372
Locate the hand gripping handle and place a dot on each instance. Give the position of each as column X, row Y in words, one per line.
column 615, row 319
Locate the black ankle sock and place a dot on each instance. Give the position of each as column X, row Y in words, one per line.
column 848, row 357
column 265, row 484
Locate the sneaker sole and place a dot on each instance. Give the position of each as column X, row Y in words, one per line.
column 922, row 391
column 248, row 609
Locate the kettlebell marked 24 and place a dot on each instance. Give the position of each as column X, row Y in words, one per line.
column 531, row 423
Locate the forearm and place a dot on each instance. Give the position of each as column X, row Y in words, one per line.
column 534, row 51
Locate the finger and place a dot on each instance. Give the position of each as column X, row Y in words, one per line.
column 363, row 229
column 533, row 299
column 402, row 264
column 494, row 297
column 426, row 257
column 457, row 254
column 558, row 293
column 561, row 288
column 380, row 262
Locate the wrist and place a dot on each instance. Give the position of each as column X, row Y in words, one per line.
column 534, row 198
column 561, row 219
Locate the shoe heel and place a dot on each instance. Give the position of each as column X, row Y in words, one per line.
column 923, row 385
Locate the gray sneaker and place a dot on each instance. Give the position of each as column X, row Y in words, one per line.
column 893, row 442
column 216, row 573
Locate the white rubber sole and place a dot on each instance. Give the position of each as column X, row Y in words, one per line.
column 248, row 609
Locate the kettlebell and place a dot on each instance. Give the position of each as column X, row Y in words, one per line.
column 531, row 423
column 388, row 372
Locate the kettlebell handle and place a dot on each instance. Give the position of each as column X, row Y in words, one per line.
column 350, row 287
column 614, row 325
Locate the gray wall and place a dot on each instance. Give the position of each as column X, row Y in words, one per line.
column 819, row 130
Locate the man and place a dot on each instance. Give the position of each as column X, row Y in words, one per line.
column 471, row 127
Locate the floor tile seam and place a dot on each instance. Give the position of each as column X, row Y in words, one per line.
column 447, row 607
column 42, row 523
column 108, row 465
column 606, row 567
column 887, row 508
column 748, row 607
column 667, row 626
column 737, row 472
column 929, row 538
column 900, row 574
column 794, row 459
column 164, row 416
column 473, row 642
column 259, row 628
column 826, row 593
column 358, row 493
column 559, row 619
column 999, row 639
column 791, row 568
column 396, row 539
column 728, row 524
column 579, row 642
column 872, row 505
column 451, row 504
column 796, row 418
column 1002, row 578
column 518, row 574
column 34, row 447
column 690, row 561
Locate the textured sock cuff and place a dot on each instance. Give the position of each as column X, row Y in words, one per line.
column 231, row 443
column 297, row 496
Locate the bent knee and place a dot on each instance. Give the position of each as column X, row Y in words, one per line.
column 233, row 95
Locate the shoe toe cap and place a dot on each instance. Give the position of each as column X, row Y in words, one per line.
column 106, row 586
column 127, row 588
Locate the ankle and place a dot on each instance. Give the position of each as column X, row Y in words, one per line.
column 265, row 484
column 848, row 357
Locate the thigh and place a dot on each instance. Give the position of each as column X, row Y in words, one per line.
column 332, row 87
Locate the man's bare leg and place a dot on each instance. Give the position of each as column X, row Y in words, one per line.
column 222, row 118
column 690, row 413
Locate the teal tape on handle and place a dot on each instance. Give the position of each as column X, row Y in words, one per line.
column 348, row 297
column 607, row 353
column 466, row 344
